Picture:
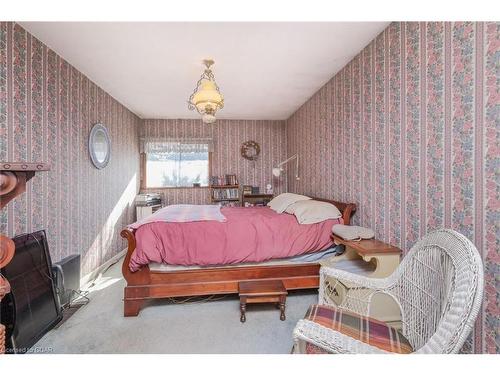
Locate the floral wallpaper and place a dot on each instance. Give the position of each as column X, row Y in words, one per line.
column 228, row 135
column 409, row 130
column 47, row 109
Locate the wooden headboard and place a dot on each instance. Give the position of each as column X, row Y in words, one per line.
column 347, row 209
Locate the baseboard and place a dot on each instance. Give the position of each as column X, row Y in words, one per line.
column 88, row 278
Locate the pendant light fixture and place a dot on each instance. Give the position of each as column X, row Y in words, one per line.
column 206, row 97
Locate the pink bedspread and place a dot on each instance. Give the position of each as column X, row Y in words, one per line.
column 252, row 234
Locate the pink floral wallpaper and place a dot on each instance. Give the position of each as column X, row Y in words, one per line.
column 409, row 130
column 47, row 109
column 228, row 135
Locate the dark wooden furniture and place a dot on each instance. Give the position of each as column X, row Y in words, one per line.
column 145, row 284
column 256, row 199
column 368, row 247
column 13, row 179
column 384, row 257
column 264, row 291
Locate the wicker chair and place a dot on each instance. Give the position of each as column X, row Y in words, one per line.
column 438, row 287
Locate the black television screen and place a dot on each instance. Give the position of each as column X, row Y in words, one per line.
column 31, row 309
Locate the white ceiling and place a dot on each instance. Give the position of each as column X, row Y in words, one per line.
column 264, row 70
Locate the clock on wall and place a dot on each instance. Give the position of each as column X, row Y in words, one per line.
column 250, row 150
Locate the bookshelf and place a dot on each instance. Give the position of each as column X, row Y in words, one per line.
column 225, row 190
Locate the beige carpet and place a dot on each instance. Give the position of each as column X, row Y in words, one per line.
column 165, row 327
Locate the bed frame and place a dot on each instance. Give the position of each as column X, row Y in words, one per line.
column 145, row 284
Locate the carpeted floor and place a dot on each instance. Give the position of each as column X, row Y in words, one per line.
column 166, row 327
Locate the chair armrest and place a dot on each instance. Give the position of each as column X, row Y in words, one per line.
column 328, row 339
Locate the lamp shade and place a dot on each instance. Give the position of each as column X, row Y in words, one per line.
column 207, row 98
column 277, row 171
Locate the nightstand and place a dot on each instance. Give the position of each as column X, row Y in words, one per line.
column 256, row 199
column 383, row 256
column 372, row 258
column 145, row 211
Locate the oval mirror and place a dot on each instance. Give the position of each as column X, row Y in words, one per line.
column 99, row 146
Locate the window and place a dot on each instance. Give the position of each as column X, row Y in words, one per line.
column 177, row 163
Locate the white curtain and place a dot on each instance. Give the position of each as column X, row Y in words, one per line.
column 178, row 145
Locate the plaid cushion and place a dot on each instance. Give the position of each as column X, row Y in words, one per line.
column 368, row 330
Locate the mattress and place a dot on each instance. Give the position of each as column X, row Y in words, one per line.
column 300, row 259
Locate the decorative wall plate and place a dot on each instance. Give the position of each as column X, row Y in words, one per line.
column 250, row 150
column 99, row 146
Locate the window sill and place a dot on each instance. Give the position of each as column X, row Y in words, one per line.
column 174, row 187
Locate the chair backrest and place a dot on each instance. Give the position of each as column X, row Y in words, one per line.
column 439, row 286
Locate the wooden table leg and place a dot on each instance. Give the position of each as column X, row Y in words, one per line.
column 282, row 307
column 243, row 307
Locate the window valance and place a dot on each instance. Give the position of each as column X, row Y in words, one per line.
column 178, row 145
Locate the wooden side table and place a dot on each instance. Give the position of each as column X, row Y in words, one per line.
column 266, row 291
column 383, row 259
column 255, row 199
column 384, row 256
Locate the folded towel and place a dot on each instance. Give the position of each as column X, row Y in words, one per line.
column 183, row 213
column 352, row 232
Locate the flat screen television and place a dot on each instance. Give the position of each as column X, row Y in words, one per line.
column 31, row 309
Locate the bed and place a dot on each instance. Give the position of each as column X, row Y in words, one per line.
column 154, row 282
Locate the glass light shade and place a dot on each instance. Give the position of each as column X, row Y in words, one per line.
column 208, row 118
column 207, row 97
column 276, row 172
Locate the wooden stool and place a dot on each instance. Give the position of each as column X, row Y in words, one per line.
column 265, row 291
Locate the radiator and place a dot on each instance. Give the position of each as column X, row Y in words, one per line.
column 67, row 279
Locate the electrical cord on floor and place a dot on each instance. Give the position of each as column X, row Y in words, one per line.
column 195, row 299
column 102, row 273
column 81, row 295
column 110, row 265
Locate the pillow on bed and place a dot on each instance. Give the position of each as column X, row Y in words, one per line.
column 282, row 201
column 311, row 212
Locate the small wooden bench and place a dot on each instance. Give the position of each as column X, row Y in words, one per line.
column 265, row 291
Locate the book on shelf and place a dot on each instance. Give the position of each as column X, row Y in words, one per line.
column 223, row 180
column 223, row 194
column 247, row 189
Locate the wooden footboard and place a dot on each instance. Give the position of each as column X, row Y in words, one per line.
column 145, row 284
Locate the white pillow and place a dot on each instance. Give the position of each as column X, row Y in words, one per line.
column 282, row 201
column 311, row 212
